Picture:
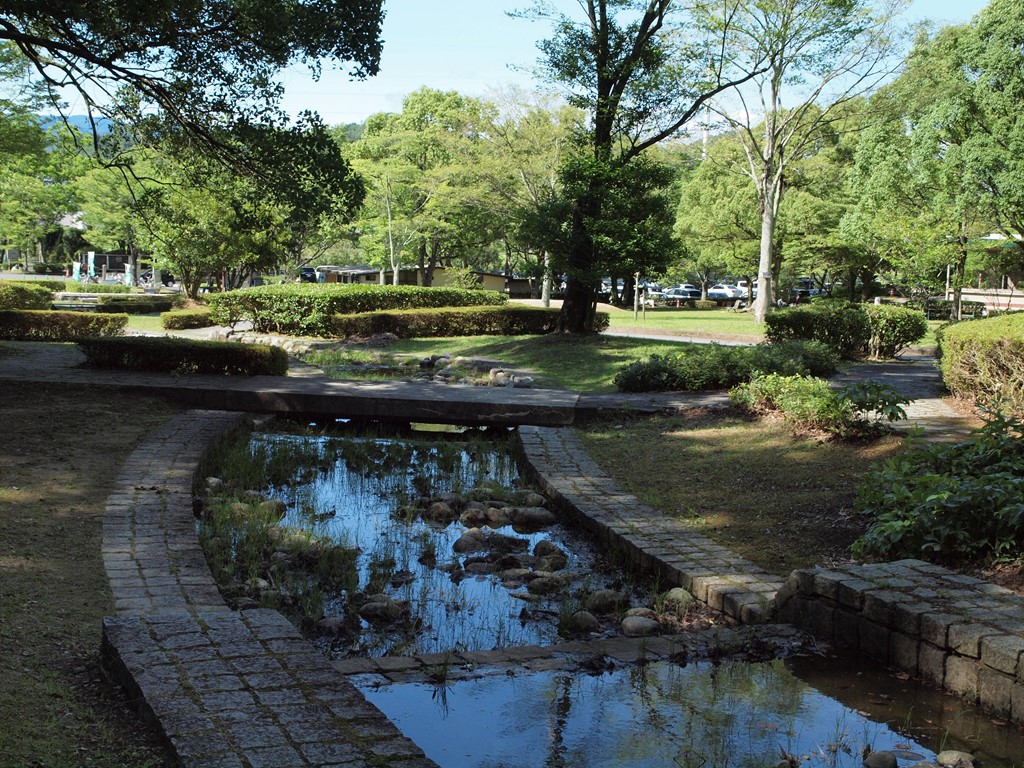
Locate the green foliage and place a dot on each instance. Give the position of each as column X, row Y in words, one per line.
column 17, row 294
column 893, row 328
column 73, row 286
column 42, row 268
column 949, row 503
column 136, row 304
column 803, row 400
column 810, row 402
column 46, row 325
column 705, row 304
column 713, row 366
column 984, row 360
column 306, row 309
column 171, row 355
column 197, row 317
column 459, row 321
column 842, row 326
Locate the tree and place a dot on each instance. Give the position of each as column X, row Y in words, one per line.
column 206, row 68
column 639, row 80
column 805, row 58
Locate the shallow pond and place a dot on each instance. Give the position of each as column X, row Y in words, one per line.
column 702, row 715
column 370, row 493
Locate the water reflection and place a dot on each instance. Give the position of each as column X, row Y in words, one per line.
column 735, row 714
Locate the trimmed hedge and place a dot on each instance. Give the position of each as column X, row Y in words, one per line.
column 164, row 354
column 197, row 317
column 307, row 309
column 849, row 329
column 135, row 304
column 713, row 366
column 454, row 321
column 893, row 328
column 74, row 286
column 23, row 294
column 55, row 325
column 983, row 360
column 842, row 326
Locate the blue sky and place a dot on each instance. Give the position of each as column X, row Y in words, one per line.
column 470, row 46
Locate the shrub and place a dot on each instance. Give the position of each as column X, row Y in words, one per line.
column 136, row 304
column 169, row 355
column 842, row 326
column 949, row 503
column 74, row 286
column 197, row 317
column 984, row 360
column 47, row 325
column 18, row 294
column 803, row 400
column 713, row 366
column 705, row 304
column 892, row 328
column 458, row 321
column 49, row 269
column 307, row 308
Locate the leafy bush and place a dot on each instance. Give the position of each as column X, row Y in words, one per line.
column 713, row 366
column 810, row 402
column 136, row 304
column 197, row 317
column 842, row 326
column 803, row 400
column 458, row 321
column 705, row 304
column 47, row 325
column 892, row 328
column 949, row 503
column 306, row 309
column 48, row 269
column 984, row 360
column 18, row 294
column 74, row 286
column 169, row 355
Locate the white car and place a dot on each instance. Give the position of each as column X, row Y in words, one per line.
column 725, row 292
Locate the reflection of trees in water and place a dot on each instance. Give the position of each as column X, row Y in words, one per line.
column 561, row 708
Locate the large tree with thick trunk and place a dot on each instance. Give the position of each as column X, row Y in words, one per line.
column 641, row 77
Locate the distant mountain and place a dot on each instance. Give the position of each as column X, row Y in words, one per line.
column 79, row 122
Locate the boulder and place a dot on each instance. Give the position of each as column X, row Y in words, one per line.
column 534, row 499
column 472, row 540
column 954, row 758
column 544, row 583
column 605, row 601
column 533, row 517
column 882, row 759
column 584, row 621
column 440, row 512
column 381, row 609
column 639, row 626
column 677, row 600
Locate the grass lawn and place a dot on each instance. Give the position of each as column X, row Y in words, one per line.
column 578, row 363
column 701, row 323
column 781, row 501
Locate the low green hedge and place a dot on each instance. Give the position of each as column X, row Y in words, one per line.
column 24, row 294
column 849, row 329
column 164, row 354
column 136, row 304
column 74, row 286
column 307, row 309
column 49, row 325
column 456, row 321
column 893, row 328
column 713, row 366
column 983, row 360
column 197, row 317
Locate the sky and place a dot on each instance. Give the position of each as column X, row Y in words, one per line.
column 469, row 46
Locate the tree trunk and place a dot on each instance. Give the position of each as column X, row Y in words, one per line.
column 764, row 263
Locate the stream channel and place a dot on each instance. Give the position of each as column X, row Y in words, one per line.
column 374, row 493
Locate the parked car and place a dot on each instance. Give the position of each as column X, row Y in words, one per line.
column 307, row 275
column 683, row 293
column 146, row 278
column 725, row 292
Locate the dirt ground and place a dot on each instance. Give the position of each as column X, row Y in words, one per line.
column 61, row 450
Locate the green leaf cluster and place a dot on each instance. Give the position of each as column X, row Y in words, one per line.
column 456, row 321
column 47, row 325
column 713, row 366
column 949, row 503
column 172, row 355
column 983, row 360
column 307, row 309
column 18, row 294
